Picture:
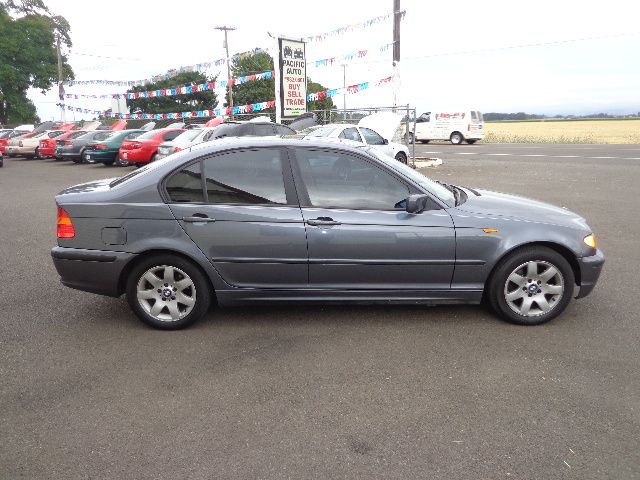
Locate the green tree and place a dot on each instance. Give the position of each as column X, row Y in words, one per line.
column 28, row 34
column 264, row 90
column 179, row 103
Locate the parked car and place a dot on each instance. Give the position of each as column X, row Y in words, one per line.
column 359, row 134
column 7, row 135
column 74, row 149
column 249, row 220
column 143, row 149
column 29, row 145
column 185, row 140
column 66, row 139
column 106, row 150
column 457, row 126
column 47, row 147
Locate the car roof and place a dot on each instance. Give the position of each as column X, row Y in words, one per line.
column 276, row 141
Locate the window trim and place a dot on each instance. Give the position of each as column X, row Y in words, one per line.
column 303, row 194
column 285, row 169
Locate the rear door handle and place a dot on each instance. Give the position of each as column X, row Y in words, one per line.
column 198, row 218
column 320, row 221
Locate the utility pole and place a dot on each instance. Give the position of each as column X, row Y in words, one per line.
column 60, row 79
column 344, row 96
column 396, row 51
column 226, row 48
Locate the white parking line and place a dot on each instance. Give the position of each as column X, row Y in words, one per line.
column 602, row 157
column 534, row 155
column 502, row 154
column 468, row 153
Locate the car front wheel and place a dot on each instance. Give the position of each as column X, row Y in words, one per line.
column 401, row 157
column 168, row 292
column 531, row 286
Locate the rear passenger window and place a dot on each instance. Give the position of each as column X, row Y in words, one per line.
column 185, row 186
column 245, row 177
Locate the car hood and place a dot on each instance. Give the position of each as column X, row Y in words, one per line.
column 497, row 204
column 385, row 123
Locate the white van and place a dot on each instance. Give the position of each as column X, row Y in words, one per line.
column 457, row 126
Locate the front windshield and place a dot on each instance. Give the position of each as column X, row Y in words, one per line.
column 429, row 185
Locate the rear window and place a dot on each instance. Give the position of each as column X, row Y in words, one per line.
column 133, row 135
column 75, row 135
column 230, row 130
column 102, row 135
column 149, row 134
column 55, row 134
column 187, row 136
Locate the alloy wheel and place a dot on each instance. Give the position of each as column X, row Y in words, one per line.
column 534, row 288
column 166, row 293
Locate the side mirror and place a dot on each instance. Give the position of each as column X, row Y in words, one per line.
column 386, row 142
column 416, row 203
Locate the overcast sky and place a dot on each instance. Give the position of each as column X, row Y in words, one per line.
column 453, row 53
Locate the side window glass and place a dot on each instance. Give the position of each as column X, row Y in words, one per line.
column 246, row 177
column 263, row 130
column 167, row 137
column 337, row 180
column 185, row 186
column 371, row 137
column 351, row 134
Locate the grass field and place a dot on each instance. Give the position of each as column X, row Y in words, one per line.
column 589, row 131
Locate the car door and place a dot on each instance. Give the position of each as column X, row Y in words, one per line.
column 358, row 231
column 241, row 209
column 375, row 139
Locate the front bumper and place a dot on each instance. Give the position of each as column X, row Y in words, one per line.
column 590, row 268
column 95, row 271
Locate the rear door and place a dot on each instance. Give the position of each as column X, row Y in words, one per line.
column 241, row 209
column 359, row 233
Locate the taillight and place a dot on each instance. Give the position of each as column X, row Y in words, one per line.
column 136, row 145
column 176, row 149
column 100, row 147
column 64, row 225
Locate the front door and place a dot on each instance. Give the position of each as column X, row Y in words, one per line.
column 240, row 208
column 359, row 234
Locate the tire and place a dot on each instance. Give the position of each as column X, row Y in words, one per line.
column 148, row 276
column 410, row 138
column 550, row 288
column 36, row 153
column 456, row 138
column 401, row 157
column 80, row 158
column 471, row 142
column 424, row 141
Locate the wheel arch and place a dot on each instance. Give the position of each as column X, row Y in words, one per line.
column 122, row 280
column 566, row 253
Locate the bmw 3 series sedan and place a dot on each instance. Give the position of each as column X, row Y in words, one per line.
column 270, row 220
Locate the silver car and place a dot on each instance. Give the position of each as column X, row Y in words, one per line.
column 249, row 220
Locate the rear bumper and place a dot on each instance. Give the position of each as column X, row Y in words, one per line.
column 46, row 152
column 135, row 156
column 95, row 271
column 101, row 155
column 11, row 150
column 590, row 268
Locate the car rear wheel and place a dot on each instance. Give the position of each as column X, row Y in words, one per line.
column 168, row 292
column 456, row 138
column 531, row 286
column 401, row 157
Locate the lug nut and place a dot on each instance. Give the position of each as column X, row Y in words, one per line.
column 529, row 294
column 539, row 282
column 166, row 284
column 524, row 289
column 173, row 298
column 159, row 291
column 539, row 291
column 175, row 289
column 529, row 280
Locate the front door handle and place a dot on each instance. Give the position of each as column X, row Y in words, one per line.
column 322, row 221
column 198, row 218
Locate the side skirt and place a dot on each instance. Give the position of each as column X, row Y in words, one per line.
column 241, row 296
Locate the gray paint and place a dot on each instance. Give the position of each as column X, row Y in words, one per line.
column 273, row 253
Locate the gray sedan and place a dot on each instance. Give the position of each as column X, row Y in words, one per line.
column 274, row 220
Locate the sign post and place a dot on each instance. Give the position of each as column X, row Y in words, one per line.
column 291, row 79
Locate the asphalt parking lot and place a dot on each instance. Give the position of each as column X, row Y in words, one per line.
column 327, row 392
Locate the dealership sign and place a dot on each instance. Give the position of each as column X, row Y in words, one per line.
column 293, row 77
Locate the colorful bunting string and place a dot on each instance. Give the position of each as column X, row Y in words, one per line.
column 173, row 91
column 350, row 28
column 198, row 67
column 349, row 57
column 236, row 110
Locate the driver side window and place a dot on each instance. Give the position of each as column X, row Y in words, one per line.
column 338, row 180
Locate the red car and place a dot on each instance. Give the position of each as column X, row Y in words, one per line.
column 7, row 135
column 143, row 149
column 47, row 146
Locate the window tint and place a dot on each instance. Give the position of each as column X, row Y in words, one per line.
column 282, row 130
column 245, row 177
column 185, row 186
column 167, row 137
column 351, row 134
column 102, row 135
column 229, row 130
column 133, row 135
column 262, row 130
column 371, row 137
column 75, row 135
column 188, row 136
column 55, row 134
column 337, row 180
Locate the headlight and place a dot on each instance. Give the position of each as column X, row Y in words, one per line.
column 590, row 240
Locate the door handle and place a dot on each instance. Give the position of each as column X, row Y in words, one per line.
column 321, row 221
column 198, row 218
